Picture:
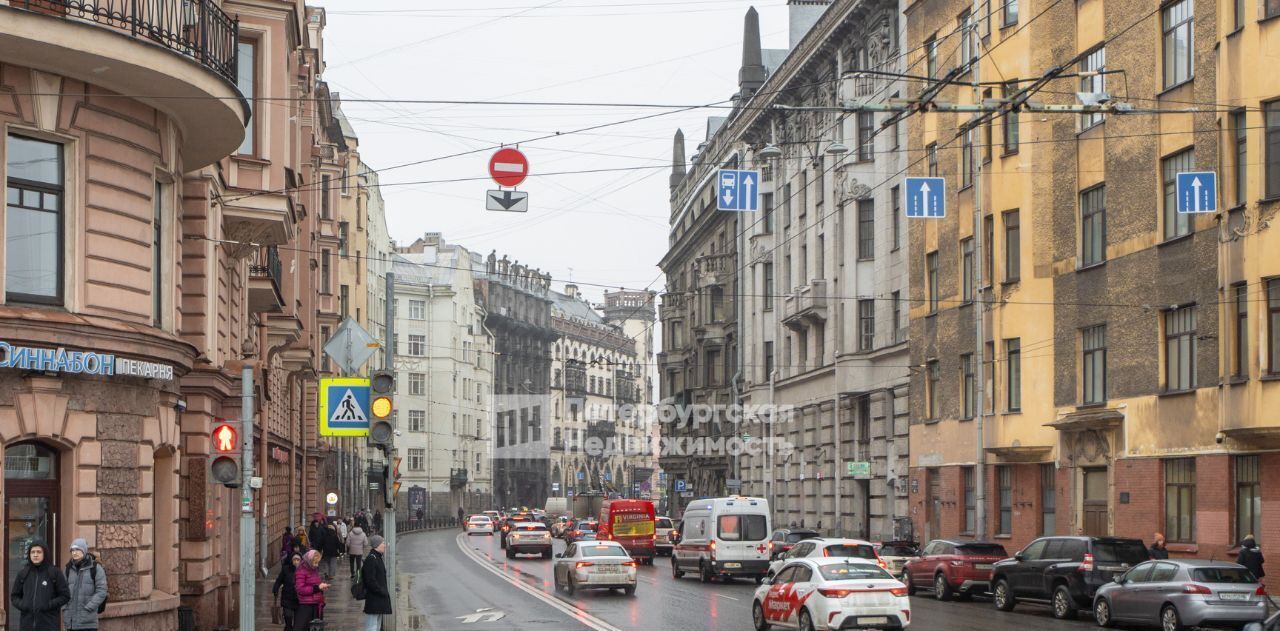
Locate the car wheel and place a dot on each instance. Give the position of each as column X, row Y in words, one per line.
column 1170, row 620
column 569, row 587
column 941, row 588
column 1001, row 598
column 759, row 580
column 675, row 569
column 757, row 617
column 629, row 590
column 911, row 587
column 1102, row 613
column 806, row 621
column 1064, row 607
column 704, row 573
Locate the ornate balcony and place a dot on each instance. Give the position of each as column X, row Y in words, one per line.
column 808, row 305
column 716, row 269
column 264, row 281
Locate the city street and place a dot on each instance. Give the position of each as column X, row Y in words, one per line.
column 448, row 584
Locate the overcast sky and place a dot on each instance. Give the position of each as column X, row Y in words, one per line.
column 610, row 227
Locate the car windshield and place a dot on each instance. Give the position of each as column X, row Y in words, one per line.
column 603, row 551
column 982, row 549
column 1223, row 575
column 743, row 527
column 796, row 537
column 587, row 526
column 1130, row 551
column 663, row 522
column 897, row 551
column 854, row 572
column 853, row 550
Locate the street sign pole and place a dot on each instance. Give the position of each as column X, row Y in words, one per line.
column 247, row 529
column 389, row 517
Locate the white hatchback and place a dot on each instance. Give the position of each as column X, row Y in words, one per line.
column 479, row 525
column 595, row 564
column 831, row 593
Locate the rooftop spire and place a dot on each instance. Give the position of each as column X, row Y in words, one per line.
column 677, row 160
column 752, row 74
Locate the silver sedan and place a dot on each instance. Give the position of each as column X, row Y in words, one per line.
column 1179, row 594
column 595, row 564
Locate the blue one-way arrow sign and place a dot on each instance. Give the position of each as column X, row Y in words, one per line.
column 1198, row 192
column 926, row 197
column 738, row 191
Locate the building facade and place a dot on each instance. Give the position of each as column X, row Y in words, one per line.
column 635, row 313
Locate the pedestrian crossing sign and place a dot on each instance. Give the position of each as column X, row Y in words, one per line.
column 344, row 407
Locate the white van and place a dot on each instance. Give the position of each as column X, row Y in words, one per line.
column 724, row 536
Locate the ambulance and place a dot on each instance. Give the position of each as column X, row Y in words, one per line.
column 723, row 537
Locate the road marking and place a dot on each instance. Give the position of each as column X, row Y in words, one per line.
column 577, row 614
column 480, row 616
column 723, row 596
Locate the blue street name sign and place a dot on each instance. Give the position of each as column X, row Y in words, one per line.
column 1198, row 192
column 738, row 191
column 926, row 197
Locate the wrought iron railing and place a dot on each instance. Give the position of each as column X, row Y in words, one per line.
column 198, row 29
column 266, row 264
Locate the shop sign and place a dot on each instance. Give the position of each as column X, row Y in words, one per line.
column 280, row 455
column 79, row 362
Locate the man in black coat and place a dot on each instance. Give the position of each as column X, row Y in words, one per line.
column 1251, row 556
column 39, row 591
column 331, row 547
column 285, row 591
column 377, row 601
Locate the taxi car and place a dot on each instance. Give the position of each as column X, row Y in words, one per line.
column 479, row 525
column 595, row 565
column 831, row 593
column 828, row 547
column 529, row 538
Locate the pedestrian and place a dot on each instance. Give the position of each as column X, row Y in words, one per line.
column 377, row 522
column 342, row 533
column 310, row 588
column 1158, row 549
column 285, row 590
column 377, row 600
column 39, row 591
column 332, row 549
column 315, row 532
column 286, row 543
column 1251, row 556
column 362, row 521
column 461, row 514
column 420, row 515
column 86, row 588
column 357, row 547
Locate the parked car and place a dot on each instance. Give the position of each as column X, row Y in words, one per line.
column 786, row 538
column 1065, row 572
column 895, row 554
column 1180, row 594
column 663, row 527
column 953, row 567
column 822, row 548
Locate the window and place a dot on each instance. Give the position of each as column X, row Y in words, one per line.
column 864, row 420
column 1273, row 326
column 766, row 203
column 768, row 360
column 1093, row 375
column 1271, row 8
column 786, row 205
column 988, row 250
column 866, row 325
column 417, row 345
column 417, row 420
column 417, row 310
column 1010, row 13
column 245, row 78
column 417, row 458
column 866, row 136
column 342, row 182
column 1048, row 498
column 968, row 387
column 820, row 256
column 1013, row 374
column 1238, row 23
column 866, row 229
column 1240, row 359
column 931, row 272
column 1248, row 476
column 1004, row 475
column 343, row 238
column 1093, row 226
column 743, row 528
column 1176, row 224
column 324, row 197
column 767, row 272
column 932, row 152
column 968, row 159
column 894, row 141
column 899, row 334
column 344, row 300
column 968, row 41
column 1240, row 132
column 970, row 511
column 1271, row 111
column 324, row 272
column 931, row 58
column 1012, row 247
column 33, row 228
column 1180, row 499
column 157, row 254
column 1177, row 20
column 966, row 269
column 1092, row 81
column 417, row 384
column 932, row 377
column 895, row 198
column 1010, row 121
column 1180, row 349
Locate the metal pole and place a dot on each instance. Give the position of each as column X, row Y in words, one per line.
column 247, row 529
column 980, row 473
column 389, row 517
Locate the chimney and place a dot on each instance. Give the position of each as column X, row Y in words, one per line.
column 802, row 15
column 752, row 74
column 677, row 161
column 571, row 290
column 432, row 238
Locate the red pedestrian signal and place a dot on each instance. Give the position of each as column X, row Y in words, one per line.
column 224, row 464
column 224, row 439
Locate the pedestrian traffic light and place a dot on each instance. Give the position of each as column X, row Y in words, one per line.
column 392, row 487
column 382, row 388
column 224, row 467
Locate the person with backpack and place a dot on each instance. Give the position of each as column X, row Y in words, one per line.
column 357, row 543
column 373, row 576
column 39, row 591
column 87, row 585
column 286, row 591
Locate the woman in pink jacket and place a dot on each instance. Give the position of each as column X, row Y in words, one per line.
column 310, row 588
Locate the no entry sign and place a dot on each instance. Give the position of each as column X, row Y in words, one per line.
column 508, row 167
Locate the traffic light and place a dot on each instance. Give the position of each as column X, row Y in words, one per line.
column 382, row 389
column 392, row 486
column 224, row 468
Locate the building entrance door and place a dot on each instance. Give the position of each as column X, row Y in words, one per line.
column 934, row 503
column 31, row 502
column 1095, row 501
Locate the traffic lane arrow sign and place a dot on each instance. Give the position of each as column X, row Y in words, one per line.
column 482, row 615
column 1197, row 192
column 507, row 201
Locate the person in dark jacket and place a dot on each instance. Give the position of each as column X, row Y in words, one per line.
column 87, row 586
column 377, row 600
column 315, row 532
column 362, row 521
column 332, row 549
column 1251, row 556
column 1158, row 550
column 286, row 590
column 39, row 591
column 286, row 544
column 377, row 522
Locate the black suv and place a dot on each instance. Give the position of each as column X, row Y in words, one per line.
column 1063, row 571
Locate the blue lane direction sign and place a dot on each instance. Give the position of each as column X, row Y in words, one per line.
column 344, row 407
column 738, row 191
column 926, row 197
column 1198, row 192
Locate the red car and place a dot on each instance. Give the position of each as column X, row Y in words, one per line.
column 953, row 567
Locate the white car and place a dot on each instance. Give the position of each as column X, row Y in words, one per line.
column 595, row 564
column 479, row 525
column 831, row 593
column 854, row 549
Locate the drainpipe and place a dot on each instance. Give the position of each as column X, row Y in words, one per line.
column 770, row 457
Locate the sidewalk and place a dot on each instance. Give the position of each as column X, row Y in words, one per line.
column 341, row 611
